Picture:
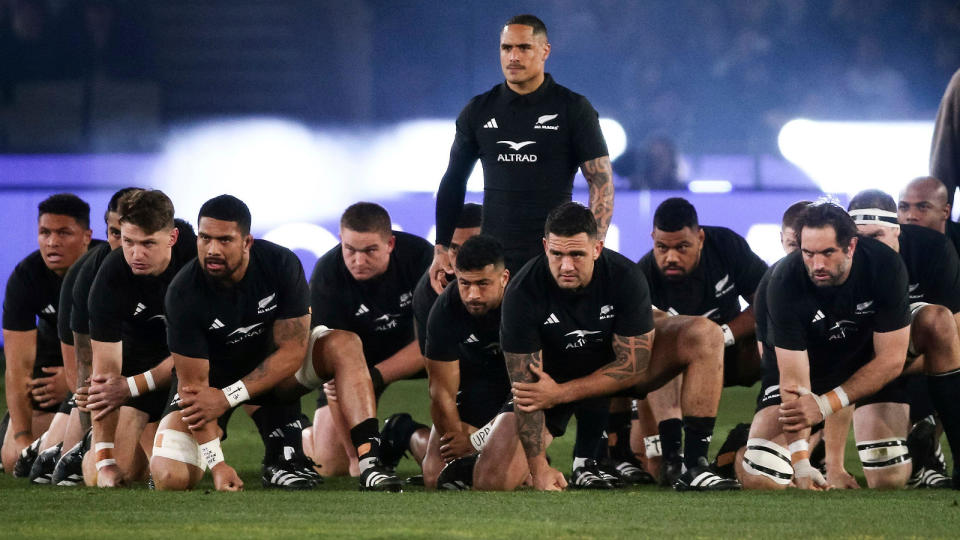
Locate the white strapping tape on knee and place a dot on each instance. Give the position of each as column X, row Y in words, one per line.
column 883, row 453
column 767, row 458
column 307, row 374
column 178, row 446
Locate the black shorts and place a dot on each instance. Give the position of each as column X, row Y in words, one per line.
column 478, row 410
column 741, row 363
column 557, row 418
column 152, row 403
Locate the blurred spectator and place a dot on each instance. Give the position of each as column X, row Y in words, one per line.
column 655, row 166
column 101, row 39
column 27, row 50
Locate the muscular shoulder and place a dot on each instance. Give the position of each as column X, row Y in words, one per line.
column 478, row 103
column 29, row 267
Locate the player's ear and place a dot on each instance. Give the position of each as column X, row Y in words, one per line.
column 88, row 235
column 505, row 277
column 391, row 243
column 700, row 235
column 247, row 242
column 546, row 51
column 545, row 244
column 852, row 246
column 174, row 235
column 597, row 248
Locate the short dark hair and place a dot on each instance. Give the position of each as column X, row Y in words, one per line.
column 872, row 198
column 227, row 208
column 366, row 217
column 529, row 20
column 471, row 216
column 479, row 251
column 570, row 219
column 674, row 214
column 66, row 204
column 114, row 203
column 151, row 210
column 792, row 213
column 827, row 214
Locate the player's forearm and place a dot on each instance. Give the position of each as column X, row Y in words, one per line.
column 290, row 335
column 450, row 197
column 631, row 360
column 402, row 364
column 107, row 357
column 443, row 411
column 21, row 352
column 84, row 355
column 835, row 430
column 744, row 324
column 162, row 373
column 599, row 175
column 871, row 377
column 69, row 365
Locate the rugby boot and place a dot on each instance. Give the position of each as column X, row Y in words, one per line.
column 21, row 469
column 42, row 470
column 284, row 475
column 458, row 474
column 588, row 476
column 377, row 477
column 670, row 471
column 69, row 470
column 4, row 424
column 395, row 438
column 701, row 478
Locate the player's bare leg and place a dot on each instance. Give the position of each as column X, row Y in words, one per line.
column 502, row 466
column 881, row 433
column 175, row 463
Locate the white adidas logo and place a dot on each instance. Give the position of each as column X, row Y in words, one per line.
column 49, row 310
column 216, row 325
column 818, row 317
column 140, row 307
column 552, row 319
column 491, row 124
column 471, row 339
column 363, row 309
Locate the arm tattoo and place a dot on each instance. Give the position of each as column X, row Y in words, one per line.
column 285, row 330
column 529, row 425
column 632, row 356
column 599, row 175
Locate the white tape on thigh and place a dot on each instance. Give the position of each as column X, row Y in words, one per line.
column 767, row 458
column 178, row 446
column 307, row 374
column 883, row 453
column 479, row 437
column 915, row 307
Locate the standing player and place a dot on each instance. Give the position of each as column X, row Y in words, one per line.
column 238, row 329
column 945, row 149
column 924, row 202
column 132, row 367
column 838, row 318
column 530, row 134
column 34, row 379
column 365, row 286
column 577, row 326
column 933, row 269
column 702, row 271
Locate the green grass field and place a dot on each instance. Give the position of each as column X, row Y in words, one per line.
column 337, row 509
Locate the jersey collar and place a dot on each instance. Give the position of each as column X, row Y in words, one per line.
column 533, row 97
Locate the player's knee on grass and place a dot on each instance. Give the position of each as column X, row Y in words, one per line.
column 886, row 462
column 766, row 465
column 176, row 464
column 432, row 462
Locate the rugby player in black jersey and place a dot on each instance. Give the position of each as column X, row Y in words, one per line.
column 838, row 320
column 67, row 471
column 577, row 326
column 923, row 202
column 531, row 135
column 933, row 268
column 132, row 367
column 34, row 379
column 365, row 285
column 401, row 433
column 703, row 271
column 238, row 326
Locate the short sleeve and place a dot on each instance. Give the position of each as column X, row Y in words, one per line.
column 588, row 141
column 634, row 313
column 294, row 294
column 945, row 276
column 325, row 295
column 423, row 300
column 749, row 267
column 786, row 327
column 521, row 317
column 65, row 308
column 185, row 329
column 892, row 300
column 19, row 307
column 105, row 302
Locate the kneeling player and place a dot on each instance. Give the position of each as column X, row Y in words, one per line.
column 838, row 320
column 577, row 326
column 238, row 319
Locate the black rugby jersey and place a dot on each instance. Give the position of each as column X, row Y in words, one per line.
column 574, row 329
column 232, row 326
column 530, row 147
column 423, row 298
column 454, row 334
column 835, row 325
column 79, row 313
column 728, row 269
column 379, row 310
column 66, row 291
column 760, row 312
column 31, row 302
column 932, row 265
column 126, row 307
column 952, row 232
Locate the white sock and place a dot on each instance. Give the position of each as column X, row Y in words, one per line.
column 579, row 462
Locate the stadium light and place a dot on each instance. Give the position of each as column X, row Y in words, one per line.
column 615, row 136
column 848, row 157
column 305, row 236
column 710, row 186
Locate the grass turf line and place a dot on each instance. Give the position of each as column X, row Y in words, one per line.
column 336, row 509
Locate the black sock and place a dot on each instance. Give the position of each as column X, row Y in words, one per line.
column 697, row 433
column 671, row 436
column 378, row 385
column 280, row 428
column 590, row 423
column 364, row 437
column 618, row 433
column 943, row 392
